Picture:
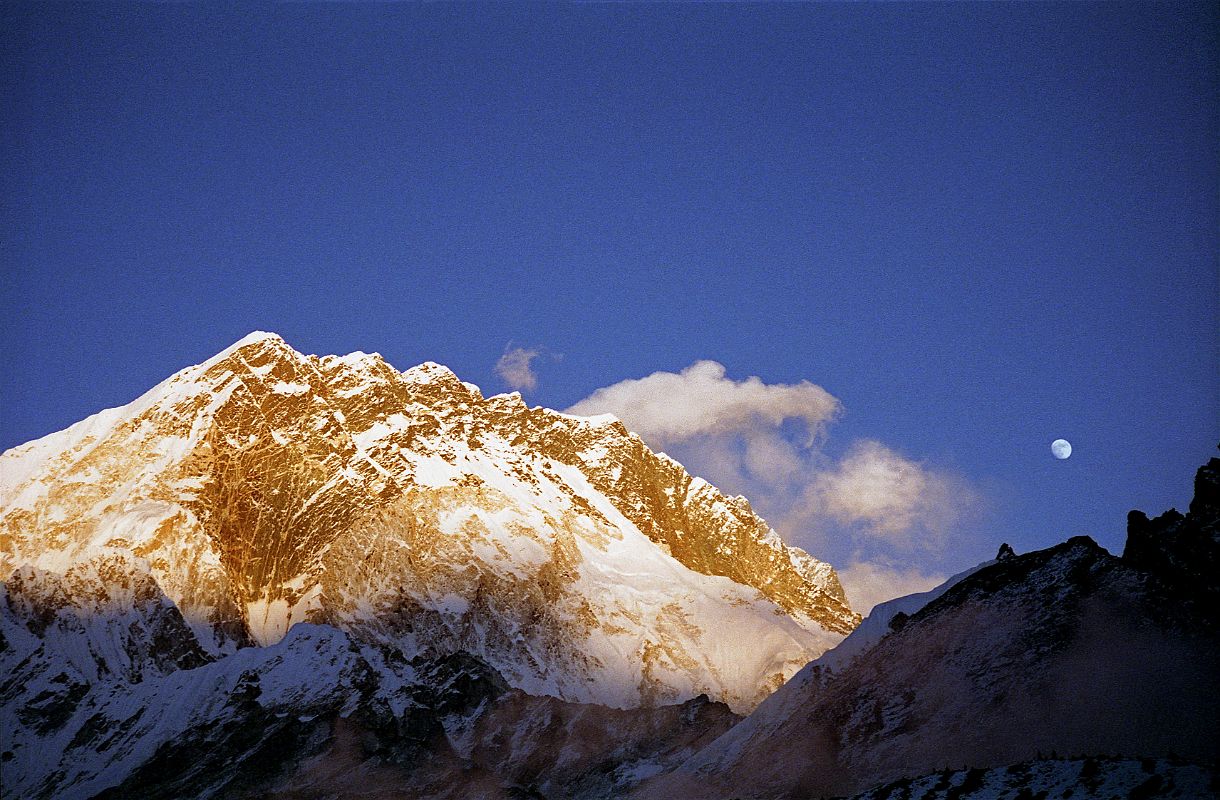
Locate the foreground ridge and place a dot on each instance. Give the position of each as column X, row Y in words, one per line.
column 1067, row 650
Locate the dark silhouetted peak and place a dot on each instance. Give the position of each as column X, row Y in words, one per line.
column 1086, row 542
column 1067, row 565
column 1184, row 550
column 1006, row 552
column 1207, row 491
column 703, row 710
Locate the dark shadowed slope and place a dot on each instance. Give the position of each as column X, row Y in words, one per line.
column 1068, row 650
column 1078, row 779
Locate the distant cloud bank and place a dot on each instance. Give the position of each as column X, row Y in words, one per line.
column 766, row 441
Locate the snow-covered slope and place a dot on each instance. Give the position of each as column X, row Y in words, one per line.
column 68, row 737
column 103, row 694
column 265, row 488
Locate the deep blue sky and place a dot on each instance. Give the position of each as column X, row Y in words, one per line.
column 979, row 226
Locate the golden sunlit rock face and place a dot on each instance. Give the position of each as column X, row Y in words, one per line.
column 265, row 488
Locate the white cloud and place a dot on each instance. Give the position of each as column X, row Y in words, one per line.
column 515, row 368
column 870, row 508
column 770, row 457
column 867, row 584
column 667, row 408
column 888, row 496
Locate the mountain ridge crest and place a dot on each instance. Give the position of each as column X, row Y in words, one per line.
column 266, row 487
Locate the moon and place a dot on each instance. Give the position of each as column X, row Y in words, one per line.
column 1062, row 448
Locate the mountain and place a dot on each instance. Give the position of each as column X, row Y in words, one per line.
column 283, row 576
column 269, row 537
column 1066, row 650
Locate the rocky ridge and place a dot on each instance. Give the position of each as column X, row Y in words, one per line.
column 101, row 696
column 1069, row 650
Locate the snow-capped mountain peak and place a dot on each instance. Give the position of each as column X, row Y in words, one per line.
column 264, row 488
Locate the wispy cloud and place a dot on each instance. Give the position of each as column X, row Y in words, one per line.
column 515, row 367
column 869, row 583
column 872, row 508
column 888, row 496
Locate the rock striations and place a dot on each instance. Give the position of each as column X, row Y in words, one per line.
column 147, row 548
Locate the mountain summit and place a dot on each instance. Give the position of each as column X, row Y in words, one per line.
column 265, row 488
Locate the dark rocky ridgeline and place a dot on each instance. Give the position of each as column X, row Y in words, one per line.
column 1069, row 651
column 66, row 640
column 1183, row 550
column 350, row 739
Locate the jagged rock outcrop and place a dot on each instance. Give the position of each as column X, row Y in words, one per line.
column 512, row 745
column 1183, row 550
column 315, row 715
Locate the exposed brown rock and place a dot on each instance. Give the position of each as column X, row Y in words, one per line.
column 266, row 487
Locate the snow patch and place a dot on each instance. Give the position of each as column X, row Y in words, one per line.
column 284, row 387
